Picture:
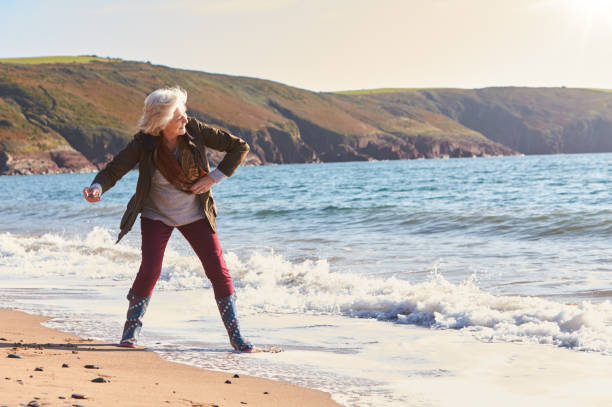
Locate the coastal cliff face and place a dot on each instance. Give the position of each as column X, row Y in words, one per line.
column 59, row 117
column 42, row 162
column 535, row 121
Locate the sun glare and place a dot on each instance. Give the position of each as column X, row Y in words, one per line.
column 586, row 14
column 579, row 8
column 590, row 8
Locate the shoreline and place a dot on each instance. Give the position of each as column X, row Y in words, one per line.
column 258, row 163
column 134, row 377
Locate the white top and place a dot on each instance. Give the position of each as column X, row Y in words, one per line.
column 169, row 204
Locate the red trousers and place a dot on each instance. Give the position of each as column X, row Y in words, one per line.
column 203, row 240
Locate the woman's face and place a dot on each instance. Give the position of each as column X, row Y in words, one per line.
column 176, row 125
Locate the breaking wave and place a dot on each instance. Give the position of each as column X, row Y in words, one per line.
column 269, row 283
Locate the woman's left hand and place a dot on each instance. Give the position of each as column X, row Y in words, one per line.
column 202, row 185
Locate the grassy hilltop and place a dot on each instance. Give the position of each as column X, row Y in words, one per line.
column 67, row 113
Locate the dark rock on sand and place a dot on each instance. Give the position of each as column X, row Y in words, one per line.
column 99, row 380
column 39, row 369
column 236, row 376
column 78, row 396
column 65, row 365
column 228, row 382
column 92, row 367
column 33, row 403
column 13, row 356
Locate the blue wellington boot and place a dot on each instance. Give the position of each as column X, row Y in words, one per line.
column 133, row 324
column 227, row 308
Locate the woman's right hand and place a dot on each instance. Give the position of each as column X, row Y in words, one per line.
column 92, row 194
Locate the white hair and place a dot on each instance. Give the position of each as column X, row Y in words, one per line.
column 159, row 107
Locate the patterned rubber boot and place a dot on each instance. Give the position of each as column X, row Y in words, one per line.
column 227, row 308
column 133, row 324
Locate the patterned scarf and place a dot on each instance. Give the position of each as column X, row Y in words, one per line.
column 182, row 175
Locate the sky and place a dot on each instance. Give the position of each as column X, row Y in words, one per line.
column 329, row 45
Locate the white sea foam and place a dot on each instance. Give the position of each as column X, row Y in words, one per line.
column 272, row 284
column 267, row 282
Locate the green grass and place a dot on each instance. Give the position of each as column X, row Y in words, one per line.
column 600, row 90
column 370, row 91
column 66, row 59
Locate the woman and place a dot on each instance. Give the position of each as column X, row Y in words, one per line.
column 173, row 190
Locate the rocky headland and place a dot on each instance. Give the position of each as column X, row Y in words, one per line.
column 67, row 117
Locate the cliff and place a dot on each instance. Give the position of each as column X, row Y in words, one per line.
column 73, row 116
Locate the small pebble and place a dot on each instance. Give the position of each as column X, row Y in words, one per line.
column 78, row 396
column 236, row 376
column 65, row 365
column 243, row 402
column 39, row 369
column 31, row 376
column 13, row 356
column 228, row 382
column 62, row 398
column 265, row 392
column 20, row 381
column 7, row 378
column 100, row 380
column 3, row 339
column 92, row 367
column 33, row 403
column 77, row 405
column 36, row 398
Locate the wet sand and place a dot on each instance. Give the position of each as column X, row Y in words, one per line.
column 127, row 377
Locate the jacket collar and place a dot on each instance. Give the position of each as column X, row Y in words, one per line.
column 150, row 142
column 189, row 139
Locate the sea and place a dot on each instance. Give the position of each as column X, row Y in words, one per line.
column 442, row 282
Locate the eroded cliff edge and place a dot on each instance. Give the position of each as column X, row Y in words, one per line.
column 75, row 116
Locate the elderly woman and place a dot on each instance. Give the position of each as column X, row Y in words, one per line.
column 173, row 190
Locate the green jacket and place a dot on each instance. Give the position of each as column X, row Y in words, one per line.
column 142, row 150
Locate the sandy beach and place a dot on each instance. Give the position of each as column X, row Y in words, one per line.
column 50, row 370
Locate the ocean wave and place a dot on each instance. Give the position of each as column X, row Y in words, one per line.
column 96, row 256
column 521, row 225
column 271, row 284
column 267, row 282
